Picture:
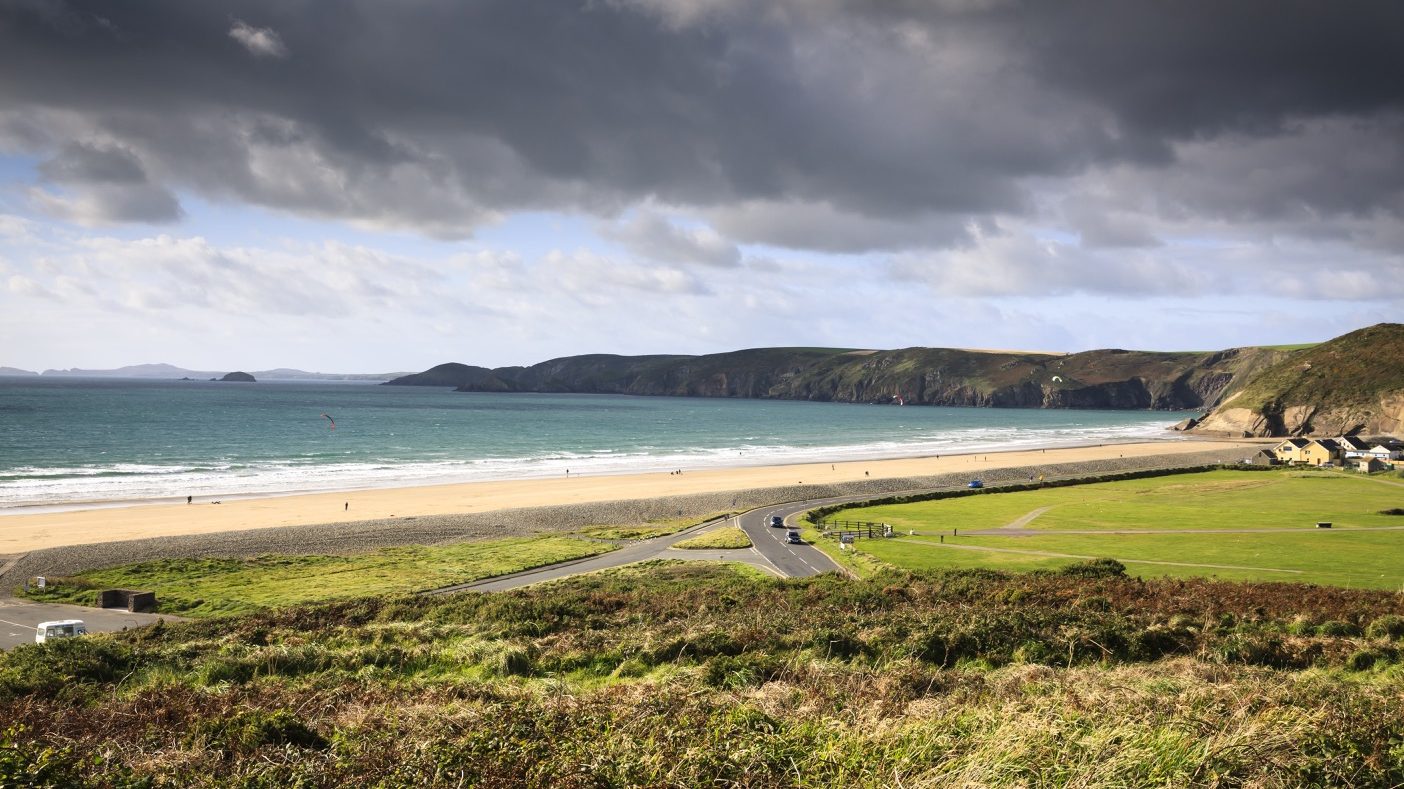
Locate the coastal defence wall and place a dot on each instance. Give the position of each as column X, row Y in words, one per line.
column 346, row 538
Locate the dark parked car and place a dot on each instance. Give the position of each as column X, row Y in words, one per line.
column 975, row 483
column 777, row 522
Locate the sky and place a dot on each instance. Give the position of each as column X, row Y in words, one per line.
column 366, row 186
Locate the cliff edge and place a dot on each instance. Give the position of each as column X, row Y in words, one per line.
column 1352, row 384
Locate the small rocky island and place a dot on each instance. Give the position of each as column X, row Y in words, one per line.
column 238, row 377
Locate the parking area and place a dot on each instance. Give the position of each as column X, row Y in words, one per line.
column 18, row 618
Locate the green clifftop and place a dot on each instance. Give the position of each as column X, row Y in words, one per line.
column 1354, row 383
column 1111, row 378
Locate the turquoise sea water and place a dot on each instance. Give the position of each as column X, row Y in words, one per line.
column 65, row 441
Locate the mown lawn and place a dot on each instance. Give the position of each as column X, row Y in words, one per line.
column 1354, row 553
column 210, row 587
column 1205, row 500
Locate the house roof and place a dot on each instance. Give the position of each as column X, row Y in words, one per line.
column 1297, row 442
column 1353, row 442
column 1328, row 443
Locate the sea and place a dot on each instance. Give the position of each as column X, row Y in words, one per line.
column 67, row 442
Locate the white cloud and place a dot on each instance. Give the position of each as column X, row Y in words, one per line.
column 259, row 41
column 104, row 204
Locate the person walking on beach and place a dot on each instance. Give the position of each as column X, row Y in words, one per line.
column 346, row 507
column 189, row 499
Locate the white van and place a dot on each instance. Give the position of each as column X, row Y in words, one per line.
column 59, row 628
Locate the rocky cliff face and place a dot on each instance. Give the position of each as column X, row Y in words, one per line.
column 1111, row 378
column 1352, row 384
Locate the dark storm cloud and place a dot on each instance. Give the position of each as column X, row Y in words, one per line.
column 103, row 184
column 441, row 115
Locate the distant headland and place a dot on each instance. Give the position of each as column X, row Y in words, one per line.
column 1354, row 383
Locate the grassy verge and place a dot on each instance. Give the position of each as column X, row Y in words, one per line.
column 681, row 675
column 644, row 531
column 724, row 537
column 213, row 587
column 857, row 562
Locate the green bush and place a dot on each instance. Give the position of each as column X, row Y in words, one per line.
column 64, row 667
column 1095, row 568
column 1338, row 629
column 1366, row 659
column 248, row 730
column 1389, row 626
column 836, row 644
column 1302, row 626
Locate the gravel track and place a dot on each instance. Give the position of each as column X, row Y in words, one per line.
column 345, row 538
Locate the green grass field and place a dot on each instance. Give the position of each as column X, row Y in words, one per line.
column 215, row 587
column 1276, row 512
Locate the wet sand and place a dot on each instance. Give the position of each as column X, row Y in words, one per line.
column 21, row 533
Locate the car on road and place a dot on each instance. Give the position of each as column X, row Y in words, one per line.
column 59, row 628
column 777, row 522
column 793, row 538
column 974, row 483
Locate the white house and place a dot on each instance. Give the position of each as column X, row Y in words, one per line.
column 1354, row 447
column 1385, row 449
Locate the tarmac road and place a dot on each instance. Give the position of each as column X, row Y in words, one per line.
column 769, row 552
column 18, row 618
column 791, row 561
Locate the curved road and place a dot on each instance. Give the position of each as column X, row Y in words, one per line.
column 769, row 551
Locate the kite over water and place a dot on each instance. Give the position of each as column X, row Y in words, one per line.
column 329, row 419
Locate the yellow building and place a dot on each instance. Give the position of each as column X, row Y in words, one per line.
column 1290, row 451
column 1308, row 451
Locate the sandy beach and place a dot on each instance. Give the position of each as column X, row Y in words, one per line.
column 20, row 533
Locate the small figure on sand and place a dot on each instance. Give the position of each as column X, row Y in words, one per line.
column 189, row 499
column 346, row 507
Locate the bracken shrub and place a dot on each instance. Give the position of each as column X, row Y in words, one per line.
column 1365, row 659
column 1095, row 568
column 671, row 675
column 1389, row 626
column 1301, row 626
column 68, row 667
column 1338, row 629
column 248, row 730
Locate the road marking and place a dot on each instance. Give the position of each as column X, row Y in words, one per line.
column 17, row 624
column 775, row 569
